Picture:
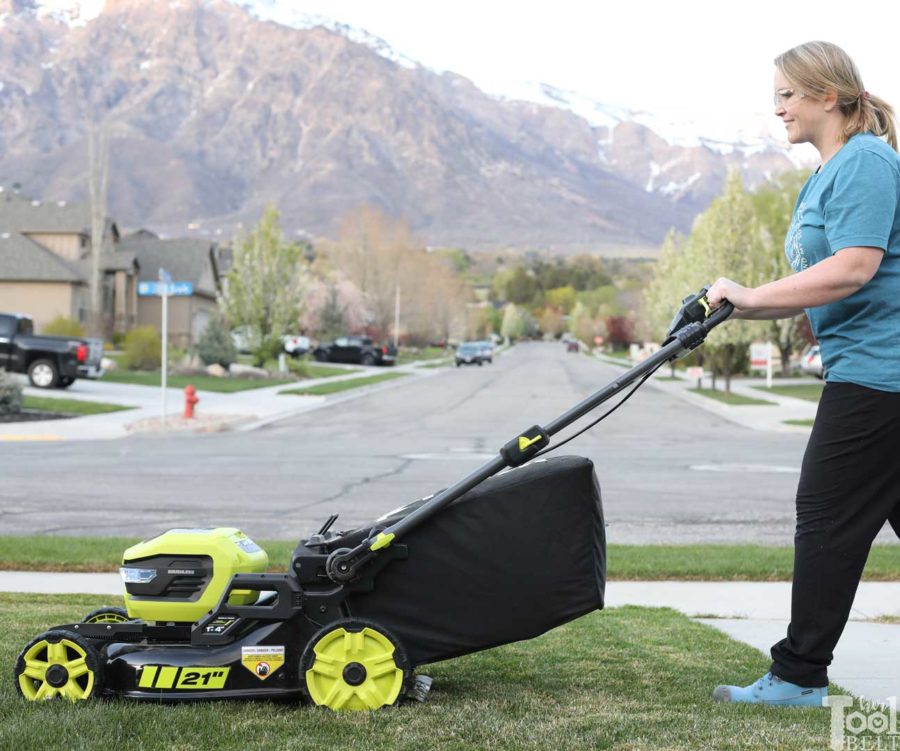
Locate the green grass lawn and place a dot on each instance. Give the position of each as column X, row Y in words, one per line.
column 735, row 400
column 323, row 389
column 69, row 406
column 423, row 353
column 801, row 423
column 630, row 562
column 809, row 391
column 307, row 369
column 200, row 382
column 625, row 679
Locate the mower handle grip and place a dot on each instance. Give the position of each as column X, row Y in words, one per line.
column 719, row 315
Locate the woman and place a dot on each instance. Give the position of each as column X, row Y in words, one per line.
column 844, row 245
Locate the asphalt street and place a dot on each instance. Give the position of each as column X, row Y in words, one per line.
column 669, row 472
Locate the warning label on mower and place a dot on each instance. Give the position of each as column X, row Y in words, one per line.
column 262, row 661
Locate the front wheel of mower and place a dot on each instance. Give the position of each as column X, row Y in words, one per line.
column 107, row 614
column 59, row 664
column 355, row 664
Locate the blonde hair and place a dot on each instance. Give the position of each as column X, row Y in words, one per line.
column 819, row 67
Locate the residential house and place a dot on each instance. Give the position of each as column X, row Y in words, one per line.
column 192, row 266
column 45, row 264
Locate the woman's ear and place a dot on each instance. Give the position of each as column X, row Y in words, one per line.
column 830, row 100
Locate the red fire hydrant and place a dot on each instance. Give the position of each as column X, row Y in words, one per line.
column 190, row 399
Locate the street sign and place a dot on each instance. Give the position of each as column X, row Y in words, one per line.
column 175, row 289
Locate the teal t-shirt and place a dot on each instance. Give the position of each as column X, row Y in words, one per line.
column 853, row 201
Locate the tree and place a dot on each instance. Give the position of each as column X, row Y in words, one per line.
column 264, row 287
column 513, row 324
column 619, row 331
column 726, row 240
column 551, row 322
column 215, row 345
column 774, row 206
column 380, row 256
column 521, row 287
column 561, row 298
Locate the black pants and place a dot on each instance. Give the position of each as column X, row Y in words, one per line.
column 849, row 486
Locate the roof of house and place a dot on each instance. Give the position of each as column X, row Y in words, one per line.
column 19, row 214
column 22, row 259
column 186, row 259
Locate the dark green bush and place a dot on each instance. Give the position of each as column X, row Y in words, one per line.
column 215, row 346
column 10, row 394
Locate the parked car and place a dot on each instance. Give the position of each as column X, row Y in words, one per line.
column 50, row 361
column 572, row 345
column 355, row 349
column 811, row 362
column 295, row 346
column 469, row 353
column 487, row 351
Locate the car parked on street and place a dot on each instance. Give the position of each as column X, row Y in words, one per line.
column 361, row 350
column 487, row 351
column 811, row 362
column 470, row 353
column 50, row 361
column 295, row 346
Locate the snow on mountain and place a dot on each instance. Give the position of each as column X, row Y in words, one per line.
column 282, row 12
column 71, row 12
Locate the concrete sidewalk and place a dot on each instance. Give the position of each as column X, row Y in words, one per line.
column 755, row 417
column 866, row 662
column 216, row 411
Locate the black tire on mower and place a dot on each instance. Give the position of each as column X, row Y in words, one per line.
column 107, row 614
column 59, row 664
column 366, row 673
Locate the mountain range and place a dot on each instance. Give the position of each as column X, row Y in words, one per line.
column 214, row 112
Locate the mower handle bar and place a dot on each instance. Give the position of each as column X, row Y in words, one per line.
column 344, row 564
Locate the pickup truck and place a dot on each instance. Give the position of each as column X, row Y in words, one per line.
column 50, row 361
column 357, row 349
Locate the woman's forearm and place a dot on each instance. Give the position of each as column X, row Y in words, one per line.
column 767, row 314
column 830, row 280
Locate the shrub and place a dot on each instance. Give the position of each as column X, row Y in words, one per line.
column 142, row 349
column 10, row 394
column 269, row 349
column 215, row 346
column 62, row 326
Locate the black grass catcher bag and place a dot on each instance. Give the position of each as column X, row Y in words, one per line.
column 523, row 552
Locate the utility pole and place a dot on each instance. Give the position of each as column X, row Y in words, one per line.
column 164, row 280
column 397, row 318
column 98, row 158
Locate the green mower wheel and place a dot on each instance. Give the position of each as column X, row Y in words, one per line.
column 58, row 664
column 354, row 664
column 107, row 614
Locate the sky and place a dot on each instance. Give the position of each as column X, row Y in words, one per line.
column 709, row 62
column 703, row 63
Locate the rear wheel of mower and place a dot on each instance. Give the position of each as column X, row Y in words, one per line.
column 355, row 664
column 58, row 664
column 108, row 614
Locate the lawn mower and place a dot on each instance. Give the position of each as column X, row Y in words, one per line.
column 512, row 550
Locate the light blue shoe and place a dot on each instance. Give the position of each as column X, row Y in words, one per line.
column 770, row 689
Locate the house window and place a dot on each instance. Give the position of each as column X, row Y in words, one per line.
column 109, row 292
